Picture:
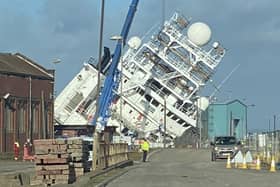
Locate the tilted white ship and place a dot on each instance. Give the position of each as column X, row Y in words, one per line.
column 172, row 66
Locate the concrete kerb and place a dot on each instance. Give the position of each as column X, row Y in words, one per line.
column 119, row 165
column 152, row 153
column 106, row 182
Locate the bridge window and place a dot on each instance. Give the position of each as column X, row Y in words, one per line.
column 155, row 103
column 141, row 92
column 148, row 98
column 181, row 121
column 169, row 114
column 174, row 117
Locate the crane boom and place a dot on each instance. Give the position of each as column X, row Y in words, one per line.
column 111, row 82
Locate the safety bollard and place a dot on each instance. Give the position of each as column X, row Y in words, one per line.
column 244, row 164
column 258, row 165
column 272, row 166
column 228, row 166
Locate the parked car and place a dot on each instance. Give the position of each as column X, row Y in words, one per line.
column 224, row 146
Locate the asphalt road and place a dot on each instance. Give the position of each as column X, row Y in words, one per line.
column 192, row 168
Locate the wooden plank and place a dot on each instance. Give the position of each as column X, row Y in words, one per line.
column 35, row 182
column 51, row 167
column 65, row 172
column 65, row 177
column 50, row 149
column 60, row 141
column 52, row 156
column 77, row 164
column 50, row 141
column 77, row 146
column 49, row 176
column 51, row 172
column 76, row 141
column 79, row 159
column 76, row 170
column 78, row 173
column 51, row 161
column 43, row 142
column 84, row 151
column 55, row 181
column 77, row 154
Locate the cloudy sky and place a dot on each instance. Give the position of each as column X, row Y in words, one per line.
column 46, row 30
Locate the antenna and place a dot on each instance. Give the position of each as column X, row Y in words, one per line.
column 223, row 82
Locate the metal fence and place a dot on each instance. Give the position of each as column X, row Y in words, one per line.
column 265, row 144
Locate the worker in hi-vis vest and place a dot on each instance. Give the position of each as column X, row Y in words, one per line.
column 145, row 148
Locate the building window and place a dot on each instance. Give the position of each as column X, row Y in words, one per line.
column 174, row 117
column 7, row 120
column 35, row 118
column 141, row 92
column 155, row 103
column 21, row 118
column 148, row 98
column 73, row 103
column 181, row 121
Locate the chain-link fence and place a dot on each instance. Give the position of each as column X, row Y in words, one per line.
column 265, row 145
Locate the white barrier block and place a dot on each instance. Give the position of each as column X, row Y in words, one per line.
column 238, row 158
column 248, row 157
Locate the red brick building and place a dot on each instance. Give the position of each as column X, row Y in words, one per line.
column 26, row 101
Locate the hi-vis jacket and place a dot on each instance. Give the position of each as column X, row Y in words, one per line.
column 145, row 146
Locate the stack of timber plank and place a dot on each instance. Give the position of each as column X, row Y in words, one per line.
column 78, row 156
column 59, row 161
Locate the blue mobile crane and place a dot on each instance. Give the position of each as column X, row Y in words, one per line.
column 112, row 78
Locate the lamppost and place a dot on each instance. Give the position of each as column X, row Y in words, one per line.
column 246, row 128
column 198, row 117
column 54, row 63
column 164, row 122
column 95, row 147
column 54, row 94
column 274, row 134
column 246, row 123
column 120, row 39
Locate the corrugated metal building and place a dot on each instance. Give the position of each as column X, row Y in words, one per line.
column 26, row 100
column 226, row 119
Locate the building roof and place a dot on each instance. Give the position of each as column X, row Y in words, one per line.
column 20, row 65
column 230, row 102
column 236, row 100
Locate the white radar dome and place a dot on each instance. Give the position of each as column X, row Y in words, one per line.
column 215, row 45
column 191, row 88
column 203, row 103
column 134, row 42
column 199, row 33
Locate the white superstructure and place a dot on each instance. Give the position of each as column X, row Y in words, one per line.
column 173, row 66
